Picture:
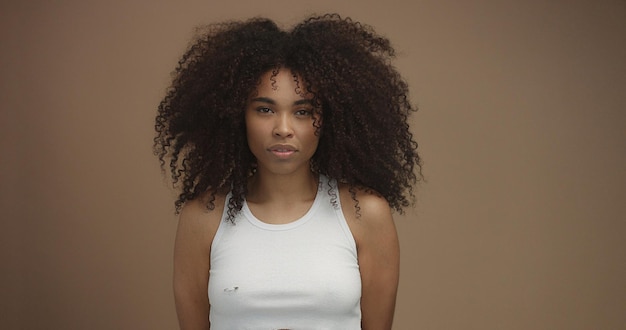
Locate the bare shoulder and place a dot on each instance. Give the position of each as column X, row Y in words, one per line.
column 198, row 208
column 370, row 205
column 366, row 215
column 197, row 221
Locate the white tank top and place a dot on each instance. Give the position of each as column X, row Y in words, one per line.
column 300, row 275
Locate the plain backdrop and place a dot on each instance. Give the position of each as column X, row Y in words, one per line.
column 522, row 126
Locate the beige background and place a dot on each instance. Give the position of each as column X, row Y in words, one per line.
column 522, row 126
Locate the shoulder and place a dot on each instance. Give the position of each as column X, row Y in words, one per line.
column 369, row 204
column 198, row 209
column 368, row 215
column 199, row 223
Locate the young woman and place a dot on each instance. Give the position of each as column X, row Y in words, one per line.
column 291, row 149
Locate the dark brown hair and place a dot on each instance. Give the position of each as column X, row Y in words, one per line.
column 365, row 140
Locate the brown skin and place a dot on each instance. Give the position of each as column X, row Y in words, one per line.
column 192, row 250
column 281, row 136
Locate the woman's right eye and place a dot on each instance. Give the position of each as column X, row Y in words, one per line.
column 264, row 110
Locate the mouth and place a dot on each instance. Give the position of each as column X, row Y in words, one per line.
column 282, row 151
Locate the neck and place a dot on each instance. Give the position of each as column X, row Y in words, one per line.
column 268, row 187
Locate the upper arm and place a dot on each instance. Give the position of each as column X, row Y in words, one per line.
column 192, row 249
column 379, row 257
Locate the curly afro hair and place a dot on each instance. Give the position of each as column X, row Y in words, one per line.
column 364, row 142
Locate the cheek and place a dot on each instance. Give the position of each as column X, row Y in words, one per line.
column 253, row 136
column 253, row 129
column 313, row 138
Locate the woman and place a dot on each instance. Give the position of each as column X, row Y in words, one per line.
column 291, row 149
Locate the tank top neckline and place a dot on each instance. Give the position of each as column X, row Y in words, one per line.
column 251, row 218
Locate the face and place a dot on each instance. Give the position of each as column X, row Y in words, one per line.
column 279, row 125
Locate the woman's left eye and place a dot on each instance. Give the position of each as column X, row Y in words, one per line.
column 304, row 112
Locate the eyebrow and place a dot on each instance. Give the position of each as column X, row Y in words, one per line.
column 272, row 102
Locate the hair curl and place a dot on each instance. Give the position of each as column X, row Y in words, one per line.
column 365, row 139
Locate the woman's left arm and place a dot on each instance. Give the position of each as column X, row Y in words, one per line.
column 379, row 261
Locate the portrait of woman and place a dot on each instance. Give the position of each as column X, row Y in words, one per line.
column 291, row 149
column 255, row 165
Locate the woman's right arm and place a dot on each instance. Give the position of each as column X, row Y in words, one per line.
column 192, row 251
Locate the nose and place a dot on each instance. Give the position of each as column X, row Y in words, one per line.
column 283, row 126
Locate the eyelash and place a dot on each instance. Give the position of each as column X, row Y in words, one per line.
column 302, row 112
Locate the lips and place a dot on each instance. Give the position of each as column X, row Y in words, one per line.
column 282, row 150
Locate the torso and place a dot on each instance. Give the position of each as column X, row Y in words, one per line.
column 300, row 273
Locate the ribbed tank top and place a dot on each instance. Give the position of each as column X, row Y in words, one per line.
column 299, row 275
